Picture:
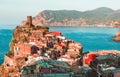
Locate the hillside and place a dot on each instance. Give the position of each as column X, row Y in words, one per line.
column 99, row 16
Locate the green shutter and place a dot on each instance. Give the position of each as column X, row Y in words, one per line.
column 27, row 55
column 17, row 53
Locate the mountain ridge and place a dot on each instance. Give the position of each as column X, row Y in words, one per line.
column 98, row 16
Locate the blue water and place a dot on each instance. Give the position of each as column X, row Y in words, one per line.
column 92, row 38
column 5, row 37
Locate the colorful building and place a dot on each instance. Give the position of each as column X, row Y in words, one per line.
column 88, row 58
column 24, row 50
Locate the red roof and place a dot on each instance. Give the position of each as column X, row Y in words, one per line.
column 90, row 57
column 56, row 33
column 59, row 45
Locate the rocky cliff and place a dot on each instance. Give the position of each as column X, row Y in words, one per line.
column 99, row 16
column 36, row 41
column 11, row 65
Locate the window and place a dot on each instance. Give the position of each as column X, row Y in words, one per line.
column 32, row 71
column 17, row 48
column 27, row 55
column 17, row 53
column 34, row 34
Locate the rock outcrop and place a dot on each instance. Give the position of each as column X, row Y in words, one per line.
column 117, row 36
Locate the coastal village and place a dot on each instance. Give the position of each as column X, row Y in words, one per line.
column 36, row 52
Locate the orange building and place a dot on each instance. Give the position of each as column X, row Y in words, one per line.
column 24, row 50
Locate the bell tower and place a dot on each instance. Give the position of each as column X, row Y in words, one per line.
column 29, row 21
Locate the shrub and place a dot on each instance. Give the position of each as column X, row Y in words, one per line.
column 14, row 41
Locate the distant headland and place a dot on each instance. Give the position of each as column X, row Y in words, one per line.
column 98, row 17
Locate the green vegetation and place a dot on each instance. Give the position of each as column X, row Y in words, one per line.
column 2, row 67
column 99, row 15
column 14, row 41
column 24, row 39
column 61, row 15
column 41, row 27
column 10, row 53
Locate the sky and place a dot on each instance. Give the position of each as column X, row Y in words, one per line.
column 14, row 11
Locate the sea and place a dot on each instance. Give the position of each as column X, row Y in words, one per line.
column 92, row 38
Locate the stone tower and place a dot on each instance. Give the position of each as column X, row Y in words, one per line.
column 29, row 21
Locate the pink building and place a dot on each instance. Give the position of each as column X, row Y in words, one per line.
column 24, row 50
